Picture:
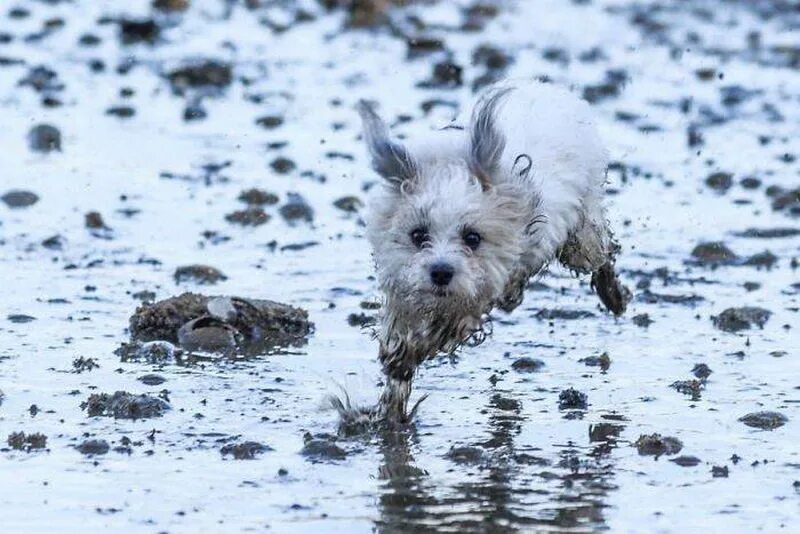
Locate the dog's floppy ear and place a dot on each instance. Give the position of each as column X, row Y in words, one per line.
column 486, row 141
column 390, row 159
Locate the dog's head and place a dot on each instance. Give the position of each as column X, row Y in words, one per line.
column 444, row 234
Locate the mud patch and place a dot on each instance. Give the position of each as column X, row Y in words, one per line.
column 123, row 405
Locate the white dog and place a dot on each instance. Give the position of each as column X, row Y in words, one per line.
column 468, row 214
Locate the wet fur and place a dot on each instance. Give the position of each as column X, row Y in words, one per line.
column 526, row 173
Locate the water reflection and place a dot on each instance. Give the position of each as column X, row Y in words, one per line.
column 512, row 487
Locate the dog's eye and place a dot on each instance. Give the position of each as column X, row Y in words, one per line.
column 472, row 239
column 419, row 236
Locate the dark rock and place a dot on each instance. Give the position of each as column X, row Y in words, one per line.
column 19, row 199
column 208, row 334
column 764, row 260
column 244, row 451
column 610, row 87
column 153, row 352
column 603, row 361
column 701, row 371
column 42, row 80
column 93, row 447
column 465, row 455
column 252, row 216
column 713, row 254
column 258, row 197
column 266, row 323
column 769, row 233
column 572, row 399
column 642, row 320
column 44, row 138
column 422, row 45
column 123, row 405
column 132, row 31
column 55, row 242
column 720, row 181
column 689, row 387
column 764, row 420
column 171, row 5
column 349, row 204
column 123, row 112
column 194, row 111
column 322, row 449
column 81, row 364
column 296, row 209
column 199, row 274
column 662, row 298
column 527, row 365
column 562, row 314
column 686, row 461
column 26, row 442
column 270, row 121
column 19, row 318
column 361, row 320
column 656, row 445
column 94, row 221
column 203, row 74
column 445, row 75
column 152, row 380
column 736, row 319
column 282, row 165
column 719, row 471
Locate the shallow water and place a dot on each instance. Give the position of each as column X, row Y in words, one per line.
column 491, row 450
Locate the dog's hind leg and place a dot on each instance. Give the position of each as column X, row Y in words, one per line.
column 592, row 249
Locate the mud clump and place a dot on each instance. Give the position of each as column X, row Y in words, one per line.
column 572, row 399
column 153, row 352
column 199, row 274
column 720, row 181
column 785, row 200
column 44, row 138
column 692, row 388
column 133, row 31
column 764, row 420
column 713, row 254
column 322, row 448
column 701, row 371
column 657, row 445
column 19, row 199
column 263, row 323
column 207, row 74
column 527, row 365
column 736, row 319
column 20, row 441
column 603, row 361
column 686, row 461
column 349, row 204
column 296, row 210
column 252, row 216
column 246, row 450
column 642, row 320
column 93, row 447
column 465, row 455
column 258, row 197
column 124, row 405
column 81, row 364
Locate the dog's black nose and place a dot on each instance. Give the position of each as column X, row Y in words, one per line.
column 441, row 274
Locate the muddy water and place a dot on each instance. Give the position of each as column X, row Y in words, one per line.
column 683, row 95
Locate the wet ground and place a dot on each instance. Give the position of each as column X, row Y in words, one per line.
column 129, row 135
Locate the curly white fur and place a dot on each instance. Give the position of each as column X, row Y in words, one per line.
column 526, row 173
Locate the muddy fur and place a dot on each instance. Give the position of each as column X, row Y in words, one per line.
column 468, row 214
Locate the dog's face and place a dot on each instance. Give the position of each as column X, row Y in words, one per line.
column 445, row 236
column 443, row 243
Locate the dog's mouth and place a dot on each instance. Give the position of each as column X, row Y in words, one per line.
column 440, row 292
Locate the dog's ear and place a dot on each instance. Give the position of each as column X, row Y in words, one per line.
column 390, row 159
column 486, row 141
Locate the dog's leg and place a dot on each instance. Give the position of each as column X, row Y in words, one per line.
column 592, row 249
column 393, row 406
